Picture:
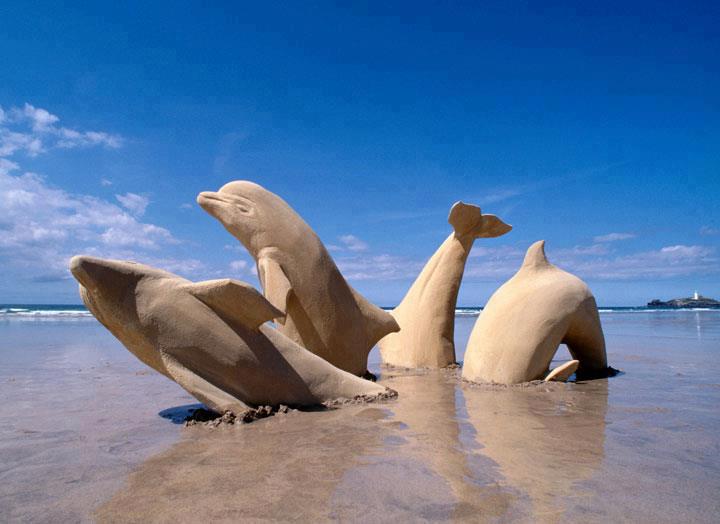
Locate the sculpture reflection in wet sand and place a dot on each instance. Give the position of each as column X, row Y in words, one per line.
column 322, row 312
column 210, row 338
column 427, row 313
column 520, row 328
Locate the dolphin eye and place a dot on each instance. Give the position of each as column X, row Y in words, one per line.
column 242, row 204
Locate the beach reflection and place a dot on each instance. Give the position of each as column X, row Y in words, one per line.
column 269, row 470
column 546, row 440
column 429, row 406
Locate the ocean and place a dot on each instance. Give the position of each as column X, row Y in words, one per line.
column 74, row 311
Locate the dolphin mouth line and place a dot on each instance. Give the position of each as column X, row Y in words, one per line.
column 211, row 195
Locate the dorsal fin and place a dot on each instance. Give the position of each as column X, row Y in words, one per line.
column 535, row 257
column 467, row 219
column 378, row 321
column 235, row 300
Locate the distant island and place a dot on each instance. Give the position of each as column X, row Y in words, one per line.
column 696, row 301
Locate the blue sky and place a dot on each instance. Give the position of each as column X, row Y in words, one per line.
column 596, row 128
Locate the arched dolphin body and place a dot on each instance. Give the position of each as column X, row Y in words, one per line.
column 209, row 337
column 427, row 313
column 299, row 277
column 520, row 328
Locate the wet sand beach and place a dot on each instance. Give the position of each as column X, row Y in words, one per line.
column 89, row 434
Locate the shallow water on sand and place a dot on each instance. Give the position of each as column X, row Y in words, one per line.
column 88, row 434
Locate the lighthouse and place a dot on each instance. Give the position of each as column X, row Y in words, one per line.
column 696, row 296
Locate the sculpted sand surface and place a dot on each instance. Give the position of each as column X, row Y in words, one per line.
column 209, row 337
column 520, row 328
column 299, row 277
column 427, row 313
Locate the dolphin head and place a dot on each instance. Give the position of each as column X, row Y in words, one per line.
column 107, row 286
column 104, row 280
column 109, row 289
column 247, row 210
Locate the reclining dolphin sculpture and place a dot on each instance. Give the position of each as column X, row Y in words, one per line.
column 427, row 313
column 320, row 311
column 210, row 338
column 520, row 328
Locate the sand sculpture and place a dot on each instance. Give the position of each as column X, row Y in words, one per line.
column 320, row 311
column 210, row 338
column 427, row 313
column 520, row 328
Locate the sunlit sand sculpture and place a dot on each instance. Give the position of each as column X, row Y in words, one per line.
column 210, row 338
column 321, row 312
column 427, row 313
column 520, row 328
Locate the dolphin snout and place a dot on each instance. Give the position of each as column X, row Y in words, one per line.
column 78, row 268
column 209, row 200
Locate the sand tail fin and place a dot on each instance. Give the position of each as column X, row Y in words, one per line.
column 378, row 321
column 467, row 219
column 563, row 372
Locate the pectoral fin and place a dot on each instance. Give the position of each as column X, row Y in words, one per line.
column 210, row 395
column 235, row 300
column 276, row 285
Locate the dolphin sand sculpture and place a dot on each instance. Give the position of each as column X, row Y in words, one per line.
column 520, row 328
column 210, row 338
column 427, row 313
column 320, row 310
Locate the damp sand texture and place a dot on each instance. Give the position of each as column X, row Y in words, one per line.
column 89, row 434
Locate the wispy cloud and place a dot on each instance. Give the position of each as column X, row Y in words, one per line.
column 598, row 261
column 33, row 130
column 239, row 266
column 349, row 243
column 379, row 267
column 43, row 226
column 708, row 231
column 134, row 203
column 613, row 237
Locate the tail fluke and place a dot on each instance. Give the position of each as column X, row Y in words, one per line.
column 467, row 219
column 562, row 373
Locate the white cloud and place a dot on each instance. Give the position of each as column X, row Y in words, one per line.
column 707, row 231
column 379, row 267
column 12, row 141
column 612, row 237
column 353, row 243
column 134, row 203
column 598, row 262
column 6, row 166
column 105, row 182
column 40, row 119
column 239, row 266
column 43, row 226
column 34, row 130
column 348, row 243
column 499, row 195
column 666, row 262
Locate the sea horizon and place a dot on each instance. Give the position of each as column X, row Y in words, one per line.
column 71, row 311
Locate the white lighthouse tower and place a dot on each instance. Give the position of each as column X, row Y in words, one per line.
column 696, row 295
